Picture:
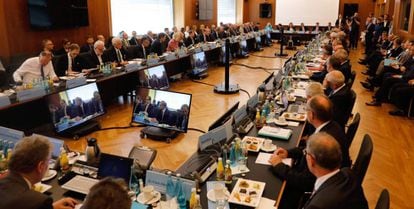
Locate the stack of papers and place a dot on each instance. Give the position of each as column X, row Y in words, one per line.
column 300, row 93
column 275, row 132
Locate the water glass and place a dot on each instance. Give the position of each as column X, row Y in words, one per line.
column 221, row 204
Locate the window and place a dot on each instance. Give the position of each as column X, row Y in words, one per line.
column 141, row 15
column 405, row 14
column 226, row 11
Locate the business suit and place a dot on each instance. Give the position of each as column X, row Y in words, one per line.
column 163, row 119
column 92, row 59
column 141, row 52
column 148, row 108
column 341, row 101
column 133, row 41
column 63, row 62
column 189, row 41
column 340, row 22
column 204, row 38
column 157, row 47
column 15, row 193
column 345, row 68
column 86, row 48
column 341, row 191
column 369, row 36
column 113, row 57
column 182, row 120
column 80, row 110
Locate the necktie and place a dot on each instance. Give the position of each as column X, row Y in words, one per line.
column 41, row 72
column 162, row 116
column 118, row 53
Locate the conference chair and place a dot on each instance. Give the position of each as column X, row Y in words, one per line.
column 352, row 129
column 351, row 79
column 351, row 107
column 383, row 201
column 364, row 157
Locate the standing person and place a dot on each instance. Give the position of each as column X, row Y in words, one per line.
column 354, row 24
column 369, row 36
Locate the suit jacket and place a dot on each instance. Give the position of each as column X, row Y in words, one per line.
column 86, row 48
column 345, row 68
column 63, row 62
column 190, row 41
column 341, row 191
column 15, row 193
column 139, row 52
column 133, row 41
column 157, row 47
column 203, row 38
column 111, row 54
column 141, row 108
column 341, row 101
column 92, row 59
column 166, row 119
column 395, row 52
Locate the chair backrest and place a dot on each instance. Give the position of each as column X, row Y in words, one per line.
column 352, row 104
column 364, row 157
column 383, row 200
column 352, row 129
column 352, row 78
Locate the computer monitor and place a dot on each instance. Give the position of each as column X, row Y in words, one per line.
column 163, row 109
column 75, row 106
column 115, row 166
column 224, row 118
column 240, row 114
column 243, row 47
column 57, row 144
column 154, row 77
column 199, row 63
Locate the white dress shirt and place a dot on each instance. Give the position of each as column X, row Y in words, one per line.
column 30, row 70
column 69, row 63
column 319, row 181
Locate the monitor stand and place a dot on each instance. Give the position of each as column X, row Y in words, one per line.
column 160, row 134
column 199, row 76
column 82, row 130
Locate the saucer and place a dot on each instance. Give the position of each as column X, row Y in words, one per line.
column 280, row 123
column 155, row 198
column 211, row 195
column 271, row 149
column 52, row 174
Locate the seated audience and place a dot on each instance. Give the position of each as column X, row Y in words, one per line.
column 36, row 68
column 65, row 47
column 133, row 40
column 96, row 57
column 88, row 45
column 334, row 187
column 174, row 43
column 108, row 193
column 158, row 46
column 191, row 39
column 205, row 36
column 27, row 166
column 400, row 96
column 116, row 53
column 70, row 63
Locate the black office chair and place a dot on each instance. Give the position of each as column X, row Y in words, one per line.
column 361, row 164
column 351, row 79
column 352, row 129
column 351, row 106
column 383, row 200
column 132, row 51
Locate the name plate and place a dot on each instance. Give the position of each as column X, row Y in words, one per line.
column 10, row 134
column 152, row 61
column 79, row 81
column 159, row 182
column 205, row 47
column 181, row 53
column 198, row 49
column 4, row 101
column 131, row 66
column 170, row 56
column 212, row 45
column 30, row 94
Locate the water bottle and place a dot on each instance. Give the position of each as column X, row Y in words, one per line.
column 170, row 190
column 181, row 200
column 224, row 149
column 232, row 154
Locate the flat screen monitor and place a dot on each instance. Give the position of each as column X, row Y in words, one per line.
column 154, row 77
column 199, row 63
column 75, row 106
column 224, row 118
column 115, row 166
column 240, row 114
column 163, row 109
column 243, row 46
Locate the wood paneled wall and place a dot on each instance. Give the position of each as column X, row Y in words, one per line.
column 253, row 12
column 190, row 14
column 18, row 38
column 397, row 21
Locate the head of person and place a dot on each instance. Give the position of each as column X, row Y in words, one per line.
column 148, row 100
column 145, row 41
column 45, row 57
column 124, row 35
column 396, row 43
column 314, row 89
column 340, row 16
column 207, row 31
column 356, row 14
column 31, row 157
column 334, row 63
column 96, row 95
column 163, row 105
column 329, row 24
column 323, row 154
column 161, row 37
column 89, row 40
column 108, row 193
column 101, row 38
column 334, row 79
column 341, row 54
column 74, row 50
column 185, row 109
column 177, row 36
column 407, row 44
column 78, row 101
column 175, row 29
column 99, row 47
column 379, row 20
column 319, row 110
column 317, row 24
column 117, row 43
column 327, row 51
column 290, row 25
column 191, row 33
column 66, row 43
column 213, row 27
column 62, row 103
column 47, row 45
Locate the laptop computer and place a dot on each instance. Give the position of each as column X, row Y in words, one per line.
column 109, row 165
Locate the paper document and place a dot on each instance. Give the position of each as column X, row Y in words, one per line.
column 266, row 203
column 263, row 158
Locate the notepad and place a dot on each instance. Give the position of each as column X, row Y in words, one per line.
column 263, row 158
column 275, row 132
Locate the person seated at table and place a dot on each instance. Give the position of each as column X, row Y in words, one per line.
column 143, row 50
column 96, row 57
column 96, row 105
column 298, row 177
column 145, row 107
column 313, row 89
column 400, row 96
column 316, row 28
column 79, row 109
column 157, row 45
column 65, row 47
column 27, row 166
column 222, row 33
column 133, row 40
column 117, row 53
column 291, row 27
column 108, row 193
column 318, row 74
column 36, row 68
column 63, row 112
column 340, row 95
column 88, row 45
column 191, row 40
column 70, row 63
column 175, row 42
column 345, row 65
column 162, row 114
column 205, row 36
column 302, row 28
column 182, row 117
column 47, row 45
column 334, row 187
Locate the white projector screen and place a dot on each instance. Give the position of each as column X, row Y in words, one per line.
column 307, row 11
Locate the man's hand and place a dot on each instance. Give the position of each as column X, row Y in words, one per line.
column 275, row 159
column 411, row 82
column 282, row 153
column 65, row 203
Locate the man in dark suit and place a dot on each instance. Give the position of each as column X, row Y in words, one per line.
column 27, row 166
column 158, row 45
column 65, row 47
column 146, row 107
column 182, row 117
column 340, row 22
column 89, row 44
column 298, row 178
column 116, row 53
column 334, row 187
column 133, row 40
column 340, row 95
column 96, row 105
column 80, row 109
column 369, row 36
column 143, row 50
column 162, row 114
column 63, row 111
column 70, row 62
column 205, row 36
column 191, row 39
column 97, row 57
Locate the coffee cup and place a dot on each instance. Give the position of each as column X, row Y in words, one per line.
column 219, row 191
column 147, row 192
column 267, row 144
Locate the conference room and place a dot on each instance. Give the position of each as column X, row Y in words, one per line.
column 283, row 84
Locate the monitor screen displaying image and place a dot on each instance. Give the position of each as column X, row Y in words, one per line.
column 75, row 106
column 163, row 109
column 199, row 62
column 154, row 77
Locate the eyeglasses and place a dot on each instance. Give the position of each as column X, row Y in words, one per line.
column 307, row 153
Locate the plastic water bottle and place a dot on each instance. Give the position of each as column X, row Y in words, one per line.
column 181, row 200
column 170, row 190
column 232, row 154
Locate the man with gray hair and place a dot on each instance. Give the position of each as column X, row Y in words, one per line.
column 96, row 57
column 27, row 166
column 340, row 95
column 117, row 53
column 334, row 187
column 313, row 89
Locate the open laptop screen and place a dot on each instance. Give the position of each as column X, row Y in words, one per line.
column 115, row 166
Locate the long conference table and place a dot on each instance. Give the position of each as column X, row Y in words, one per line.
column 21, row 115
